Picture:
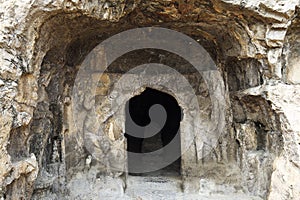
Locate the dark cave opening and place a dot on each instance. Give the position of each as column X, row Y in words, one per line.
column 145, row 138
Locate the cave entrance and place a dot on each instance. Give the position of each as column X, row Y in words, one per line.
column 148, row 138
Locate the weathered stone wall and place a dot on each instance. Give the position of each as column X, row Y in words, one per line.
column 253, row 43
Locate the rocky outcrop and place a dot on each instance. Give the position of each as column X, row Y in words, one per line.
column 253, row 43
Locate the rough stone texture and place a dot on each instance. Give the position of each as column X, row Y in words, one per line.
column 255, row 45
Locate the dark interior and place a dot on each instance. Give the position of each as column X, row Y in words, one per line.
column 138, row 110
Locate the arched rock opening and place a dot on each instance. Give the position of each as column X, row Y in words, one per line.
column 65, row 38
column 165, row 129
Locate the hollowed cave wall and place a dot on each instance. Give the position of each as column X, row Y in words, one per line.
column 243, row 149
column 244, row 40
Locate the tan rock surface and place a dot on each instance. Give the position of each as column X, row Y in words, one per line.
column 255, row 45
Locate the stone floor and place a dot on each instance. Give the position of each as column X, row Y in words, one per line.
column 168, row 188
column 165, row 184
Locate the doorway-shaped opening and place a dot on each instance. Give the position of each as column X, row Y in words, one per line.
column 156, row 117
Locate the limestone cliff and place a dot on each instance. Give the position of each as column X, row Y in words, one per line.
column 255, row 45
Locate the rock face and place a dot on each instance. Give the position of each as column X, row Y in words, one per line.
column 48, row 148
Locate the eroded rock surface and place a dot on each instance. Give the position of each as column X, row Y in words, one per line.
column 255, row 45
